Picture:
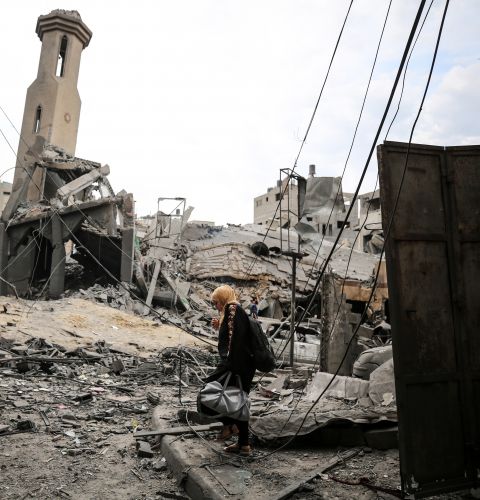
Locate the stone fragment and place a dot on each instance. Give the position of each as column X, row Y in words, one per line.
column 382, row 381
column 382, row 439
column 117, row 366
column 144, row 450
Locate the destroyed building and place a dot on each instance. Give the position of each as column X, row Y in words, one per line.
column 57, row 197
column 63, row 207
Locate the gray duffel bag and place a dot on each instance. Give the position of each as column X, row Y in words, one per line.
column 225, row 400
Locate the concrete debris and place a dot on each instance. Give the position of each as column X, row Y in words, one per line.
column 370, row 360
column 144, row 450
column 338, row 387
column 74, row 214
column 382, row 384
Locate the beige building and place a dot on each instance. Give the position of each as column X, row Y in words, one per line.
column 265, row 205
column 52, row 105
column 370, row 217
column 5, row 192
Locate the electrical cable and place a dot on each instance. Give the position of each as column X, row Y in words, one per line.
column 405, row 72
column 372, row 148
column 278, row 353
column 389, row 224
column 248, row 273
column 361, row 227
column 391, row 123
column 56, row 212
column 355, row 132
column 377, row 179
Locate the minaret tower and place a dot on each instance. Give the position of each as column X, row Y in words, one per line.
column 52, row 105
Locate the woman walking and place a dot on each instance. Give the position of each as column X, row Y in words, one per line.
column 234, row 348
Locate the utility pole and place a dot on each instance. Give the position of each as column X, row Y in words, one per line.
column 295, row 256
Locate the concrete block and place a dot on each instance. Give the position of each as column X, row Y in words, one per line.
column 297, row 383
column 117, row 366
column 341, row 387
column 144, row 450
column 382, row 383
column 382, row 439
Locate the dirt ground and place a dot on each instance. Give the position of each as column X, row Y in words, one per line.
column 75, row 322
column 68, row 425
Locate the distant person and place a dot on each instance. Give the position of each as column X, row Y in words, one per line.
column 254, row 308
column 235, row 356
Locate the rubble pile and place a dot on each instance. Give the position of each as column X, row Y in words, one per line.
column 83, row 404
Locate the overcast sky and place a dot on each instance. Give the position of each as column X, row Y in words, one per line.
column 209, row 99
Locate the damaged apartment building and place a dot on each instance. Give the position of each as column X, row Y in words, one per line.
column 56, row 197
column 316, row 210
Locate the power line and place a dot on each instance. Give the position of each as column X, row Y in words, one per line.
column 56, row 212
column 391, row 217
column 364, row 171
column 278, row 207
column 377, row 178
column 355, row 131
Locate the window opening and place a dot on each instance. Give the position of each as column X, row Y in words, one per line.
column 62, row 55
column 375, row 204
column 38, row 117
column 358, row 306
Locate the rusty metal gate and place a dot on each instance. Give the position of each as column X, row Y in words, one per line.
column 433, row 267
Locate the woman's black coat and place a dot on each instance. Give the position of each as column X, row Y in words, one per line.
column 234, row 347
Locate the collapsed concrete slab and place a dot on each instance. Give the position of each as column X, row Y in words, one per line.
column 33, row 234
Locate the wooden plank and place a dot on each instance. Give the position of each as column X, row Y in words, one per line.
column 179, row 430
column 290, row 490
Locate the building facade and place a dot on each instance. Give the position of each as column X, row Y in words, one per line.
column 369, row 225
column 5, row 192
column 266, row 206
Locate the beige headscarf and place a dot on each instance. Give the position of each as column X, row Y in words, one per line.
column 224, row 294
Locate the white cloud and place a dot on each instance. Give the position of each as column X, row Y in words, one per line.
column 450, row 115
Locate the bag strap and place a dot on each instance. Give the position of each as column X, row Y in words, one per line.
column 227, row 380
column 239, row 382
column 223, row 375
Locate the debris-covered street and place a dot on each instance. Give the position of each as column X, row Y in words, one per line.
column 76, row 389
column 73, row 399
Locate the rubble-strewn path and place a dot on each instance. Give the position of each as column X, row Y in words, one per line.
column 67, row 421
column 78, row 379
